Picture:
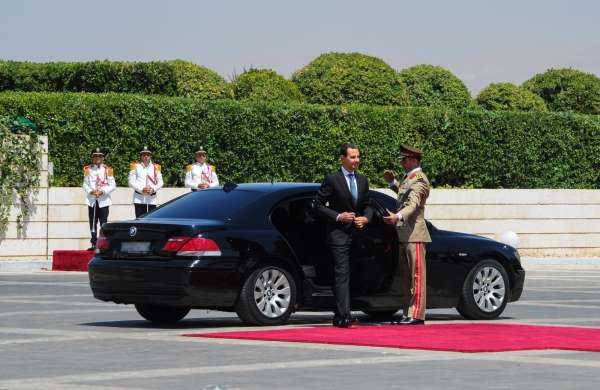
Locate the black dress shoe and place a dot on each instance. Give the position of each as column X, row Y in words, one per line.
column 412, row 321
column 92, row 248
column 398, row 321
column 342, row 322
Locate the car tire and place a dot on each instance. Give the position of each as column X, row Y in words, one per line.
column 162, row 314
column 267, row 297
column 485, row 291
column 380, row 315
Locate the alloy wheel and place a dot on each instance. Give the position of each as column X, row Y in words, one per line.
column 489, row 289
column 272, row 293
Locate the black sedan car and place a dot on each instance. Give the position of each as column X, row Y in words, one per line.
column 260, row 250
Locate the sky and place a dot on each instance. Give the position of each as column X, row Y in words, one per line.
column 480, row 41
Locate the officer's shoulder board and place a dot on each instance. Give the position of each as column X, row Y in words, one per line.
column 417, row 176
column 157, row 167
column 109, row 170
column 214, row 169
column 189, row 167
column 86, row 170
column 133, row 165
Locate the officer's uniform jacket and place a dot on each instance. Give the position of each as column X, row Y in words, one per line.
column 141, row 176
column 197, row 173
column 98, row 177
column 412, row 195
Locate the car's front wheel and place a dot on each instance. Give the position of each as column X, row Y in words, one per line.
column 162, row 314
column 485, row 292
column 267, row 297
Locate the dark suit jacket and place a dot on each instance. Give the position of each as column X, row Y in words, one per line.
column 334, row 198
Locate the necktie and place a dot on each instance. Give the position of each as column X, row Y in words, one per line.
column 353, row 189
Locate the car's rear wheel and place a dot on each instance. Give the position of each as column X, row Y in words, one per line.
column 267, row 297
column 162, row 314
column 485, row 292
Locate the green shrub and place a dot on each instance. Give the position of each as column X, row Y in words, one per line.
column 567, row 90
column 255, row 141
column 265, row 85
column 340, row 78
column 509, row 97
column 430, row 85
column 171, row 78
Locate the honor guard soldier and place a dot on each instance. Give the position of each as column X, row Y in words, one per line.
column 409, row 218
column 200, row 175
column 98, row 183
column 146, row 179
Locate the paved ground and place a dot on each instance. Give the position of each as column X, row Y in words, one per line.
column 54, row 335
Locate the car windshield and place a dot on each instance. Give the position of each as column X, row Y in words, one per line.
column 207, row 204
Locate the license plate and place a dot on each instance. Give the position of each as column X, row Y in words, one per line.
column 135, row 247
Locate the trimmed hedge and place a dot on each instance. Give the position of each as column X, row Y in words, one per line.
column 251, row 142
column 509, row 97
column 265, row 85
column 342, row 78
column 430, row 85
column 171, row 78
column 567, row 90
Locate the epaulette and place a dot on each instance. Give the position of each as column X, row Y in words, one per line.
column 417, row 176
column 189, row 167
column 133, row 165
column 86, row 170
column 214, row 169
column 157, row 167
column 109, row 171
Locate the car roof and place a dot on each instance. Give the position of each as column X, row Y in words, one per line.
column 273, row 187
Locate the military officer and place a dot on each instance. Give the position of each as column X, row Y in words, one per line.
column 145, row 178
column 98, row 183
column 200, row 175
column 409, row 219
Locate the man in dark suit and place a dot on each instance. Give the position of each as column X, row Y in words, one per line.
column 343, row 200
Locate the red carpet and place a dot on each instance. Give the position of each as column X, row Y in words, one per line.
column 63, row 260
column 446, row 337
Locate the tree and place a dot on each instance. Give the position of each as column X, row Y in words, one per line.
column 509, row 97
column 339, row 78
column 567, row 90
column 430, row 85
column 265, row 85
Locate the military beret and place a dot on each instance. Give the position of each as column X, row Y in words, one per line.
column 407, row 151
column 145, row 150
column 97, row 152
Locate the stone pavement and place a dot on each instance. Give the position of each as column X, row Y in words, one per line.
column 54, row 335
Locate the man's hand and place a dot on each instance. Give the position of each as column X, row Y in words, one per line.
column 147, row 190
column 389, row 175
column 391, row 218
column 360, row 222
column 99, row 193
column 346, row 217
column 203, row 186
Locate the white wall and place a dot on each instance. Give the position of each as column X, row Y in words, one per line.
column 557, row 223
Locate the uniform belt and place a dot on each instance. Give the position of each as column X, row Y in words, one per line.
column 141, row 193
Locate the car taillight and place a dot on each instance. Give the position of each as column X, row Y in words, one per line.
column 192, row 246
column 102, row 243
column 175, row 243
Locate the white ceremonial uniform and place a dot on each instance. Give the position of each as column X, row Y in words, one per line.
column 197, row 173
column 141, row 176
column 98, row 177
